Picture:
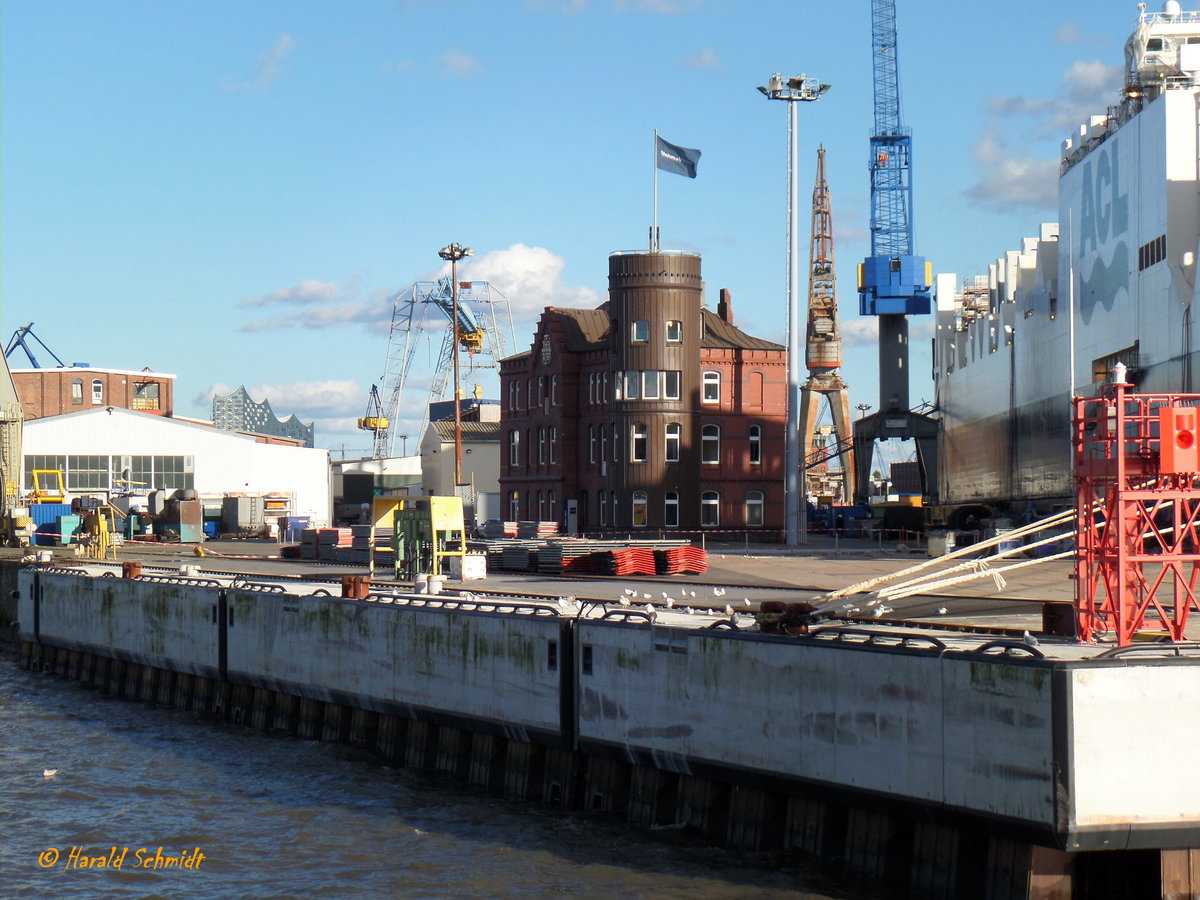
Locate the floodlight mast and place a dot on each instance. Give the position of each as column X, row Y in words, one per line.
column 798, row 88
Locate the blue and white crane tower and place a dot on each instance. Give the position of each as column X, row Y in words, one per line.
column 893, row 282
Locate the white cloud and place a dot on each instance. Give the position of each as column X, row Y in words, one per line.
column 304, row 399
column 405, row 65
column 860, row 331
column 529, row 277
column 1011, row 178
column 268, row 67
column 461, row 63
column 307, row 292
column 662, row 7
column 705, row 59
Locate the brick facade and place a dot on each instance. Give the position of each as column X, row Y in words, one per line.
column 609, row 411
column 53, row 392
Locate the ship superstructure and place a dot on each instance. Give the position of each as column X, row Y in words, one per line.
column 1112, row 281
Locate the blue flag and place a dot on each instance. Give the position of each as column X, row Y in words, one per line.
column 680, row 160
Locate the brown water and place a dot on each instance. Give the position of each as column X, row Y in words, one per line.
column 275, row 816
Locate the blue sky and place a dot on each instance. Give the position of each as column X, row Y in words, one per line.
column 233, row 192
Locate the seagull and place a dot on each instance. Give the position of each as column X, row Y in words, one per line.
column 882, row 611
column 718, row 592
column 49, row 773
column 670, row 602
column 649, row 608
column 728, row 610
column 625, row 601
column 664, row 595
column 689, row 611
column 1029, row 639
column 645, row 596
column 941, row 610
column 746, row 600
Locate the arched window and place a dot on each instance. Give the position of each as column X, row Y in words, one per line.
column 671, row 509
column 97, row 391
column 755, row 445
column 672, row 441
column 514, row 447
column 710, row 445
column 710, row 508
column 712, row 388
column 553, row 445
column 541, row 445
column 551, row 507
column 639, row 509
column 639, row 442
column 754, row 509
column 554, row 390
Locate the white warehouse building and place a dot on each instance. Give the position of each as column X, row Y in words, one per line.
column 106, row 450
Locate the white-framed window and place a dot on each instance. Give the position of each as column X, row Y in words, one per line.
column 614, row 509
column 541, row 445
column 514, row 506
column 529, row 394
column 553, row 445
column 603, row 441
column 650, row 385
column 616, row 444
column 640, row 331
column 603, row 508
column 551, row 506
column 514, row 447
column 604, row 387
column 541, row 389
column 77, row 391
column 541, row 512
column 673, row 436
column 754, row 508
column 639, row 443
column 633, row 380
column 554, row 390
column 638, row 509
column 755, row 445
column 514, row 395
column 97, row 392
column 674, row 331
column 712, row 388
column 671, row 385
column 592, row 388
column 710, row 508
column 710, row 445
column 671, row 509
column 591, row 443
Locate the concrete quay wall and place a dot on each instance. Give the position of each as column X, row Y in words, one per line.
column 938, row 769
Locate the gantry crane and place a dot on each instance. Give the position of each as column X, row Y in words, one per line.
column 479, row 338
column 893, row 283
column 823, row 347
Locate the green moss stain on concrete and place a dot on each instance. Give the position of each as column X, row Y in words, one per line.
column 1008, row 681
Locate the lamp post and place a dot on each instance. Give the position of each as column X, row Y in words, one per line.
column 862, row 410
column 455, row 252
column 794, row 89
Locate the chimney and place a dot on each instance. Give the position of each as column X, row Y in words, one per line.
column 725, row 307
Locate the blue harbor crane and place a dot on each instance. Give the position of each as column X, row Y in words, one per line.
column 893, row 282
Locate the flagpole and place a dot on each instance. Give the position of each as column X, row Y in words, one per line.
column 654, row 165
